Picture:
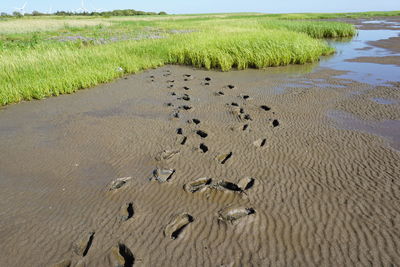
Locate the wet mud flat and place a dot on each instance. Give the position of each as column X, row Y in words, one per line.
column 186, row 167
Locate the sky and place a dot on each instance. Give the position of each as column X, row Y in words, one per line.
column 207, row 6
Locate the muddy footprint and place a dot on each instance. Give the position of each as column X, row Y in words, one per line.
column 187, row 77
column 201, row 133
column 183, row 140
column 118, row 183
column 185, row 97
column 177, row 225
column 231, row 214
column 81, row 248
column 175, row 115
column 185, row 107
column 246, row 183
column 121, row 256
column 162, row 175
column 197, row 185
column 245, row 97
column 275, row 123
column 260, row 142
column 126, row 212
column 264, row 107
column 167, row 154
column 203, row 148
column 223, row 158
column 226, row 186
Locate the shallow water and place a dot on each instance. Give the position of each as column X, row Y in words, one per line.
column 384, row 101
column 388, row 129
column 371, row 73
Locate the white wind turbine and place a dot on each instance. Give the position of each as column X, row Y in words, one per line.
column 82, row 8
column 21, row 9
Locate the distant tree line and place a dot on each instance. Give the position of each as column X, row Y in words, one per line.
column 118, row 12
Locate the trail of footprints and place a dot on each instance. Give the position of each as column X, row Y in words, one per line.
column 120, row 254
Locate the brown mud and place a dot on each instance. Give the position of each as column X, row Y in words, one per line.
column 322, row 194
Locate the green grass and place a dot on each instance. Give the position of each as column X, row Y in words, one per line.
column 33, row 65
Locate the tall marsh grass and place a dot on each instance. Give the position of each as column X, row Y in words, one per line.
column 48, row 67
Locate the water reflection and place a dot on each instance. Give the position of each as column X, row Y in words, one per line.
column 372, row 73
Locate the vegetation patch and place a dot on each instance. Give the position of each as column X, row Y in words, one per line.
column 55, row 56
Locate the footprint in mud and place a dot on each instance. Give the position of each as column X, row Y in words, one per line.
column 223, row 158
column 230, row 86
column 81, row 248
column 260, row 142
column 126, row 212
column 185, row 97
column 226, row 186
column 63, row 263
column 187, row 77
column 121, row 256
column 170, row 86
column 207, row 79
column 236, row 110
column 245, row 97
column 197, row 185
column 203, row 148
column 170, row 81
column 245, row 117
column 201, row 133
column 177, row 225
column 183, row 140
column 275, row 123
column 162, row 175
column 186, row 88
column 169, row 104
column 175, row 115
column 243, row 185
column 232, row 214
column 166, row 154
column 173, row 93
column 246, row 183
column 118, row 183
column 185, row 107
column 179, row 131
column 245, row 127
column 196, row 121
column 219, row 93
column 264, row 107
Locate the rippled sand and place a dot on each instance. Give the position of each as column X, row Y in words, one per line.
column 322, row 194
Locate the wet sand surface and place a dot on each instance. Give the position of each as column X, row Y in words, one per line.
column 299, row 167
column 391, row 60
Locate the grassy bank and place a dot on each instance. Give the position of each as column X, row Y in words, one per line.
column 50, row 58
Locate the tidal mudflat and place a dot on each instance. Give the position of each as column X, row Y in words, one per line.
column 177, row 166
